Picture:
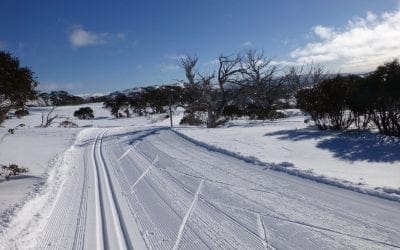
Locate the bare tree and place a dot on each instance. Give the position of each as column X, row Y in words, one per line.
column 304, row 76
column 261, row 80
column 188, row 63
column 48, row 119
column 208, row 92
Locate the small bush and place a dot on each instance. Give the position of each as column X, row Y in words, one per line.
column 21, row 112
column 68, row 124
column 191, row 118
column 232, row 112
column 12, row 170
column 327, row 103
column 339, row 102
column 85, row 113
column 3, row 114
column 260, row 113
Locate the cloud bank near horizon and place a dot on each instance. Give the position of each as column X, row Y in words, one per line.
column 360, row 46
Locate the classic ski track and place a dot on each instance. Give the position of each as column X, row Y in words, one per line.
column 169, row 205
column 187, row 199
column 211, row 206
column 147, row 162
column 101, row 233
column 79, row 239
column 286, row 219
column 118, row 223
column 187, row 216
column 188, row 152
column 262, row 171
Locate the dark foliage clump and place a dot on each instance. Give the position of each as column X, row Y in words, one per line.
column 255, row 112
column 372, row 100
column 327, row 103
column 17, row 84
column 118, row 106
column 12, row 170
column 191, row 118
column 3, row 114
column 21, row 112
column 61, row 98
column 67, row 124
column 85, row 113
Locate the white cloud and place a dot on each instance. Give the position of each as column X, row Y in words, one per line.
column 121, row 36
column 167, row 67
column 211, row 62
column 284, row 63
column 247, row 44
column 360, row 46
column 53, row 86
column 323, row 32
column 174, row 56
column 80, row 37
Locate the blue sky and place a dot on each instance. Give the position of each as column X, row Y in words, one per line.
column 102, row 46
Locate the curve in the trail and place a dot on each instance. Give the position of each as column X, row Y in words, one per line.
column 150, row 188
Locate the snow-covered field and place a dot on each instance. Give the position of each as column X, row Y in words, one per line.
column 361, row 160
column 38, row 149
column 132, row 183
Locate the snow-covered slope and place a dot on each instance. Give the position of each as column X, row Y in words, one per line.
column 357, row 160
column 133, row 181
column 38, row 149
column 125, row 188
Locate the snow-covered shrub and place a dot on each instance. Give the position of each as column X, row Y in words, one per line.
column 68, row 124
column 12, row 170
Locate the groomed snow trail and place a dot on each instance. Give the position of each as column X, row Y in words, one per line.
column 131, row 188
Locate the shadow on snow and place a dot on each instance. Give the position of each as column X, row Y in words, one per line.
column 349, row 146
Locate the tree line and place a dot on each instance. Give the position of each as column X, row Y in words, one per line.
column 251, row 85
column 246, row 84
column 342, row 102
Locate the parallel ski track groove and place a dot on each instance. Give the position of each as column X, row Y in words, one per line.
column 278, row 217
column 101, row 229
column 145, row 158
column 204, row 199
column 118, row 221
column 187, row 152
column 79, row 239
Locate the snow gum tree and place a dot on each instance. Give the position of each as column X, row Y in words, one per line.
column 17, row 84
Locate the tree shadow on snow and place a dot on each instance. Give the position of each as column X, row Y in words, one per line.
column 300, row 134
column 361, row 146
column 349, row 146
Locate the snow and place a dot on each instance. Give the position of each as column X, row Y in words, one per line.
column 363, row 161
column 38, row 148
column 135, row 183
column 167, row 192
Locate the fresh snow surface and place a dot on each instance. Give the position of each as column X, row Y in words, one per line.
column 361, row 161
column 124, row 188
column 134, row 183
column 38, row 149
